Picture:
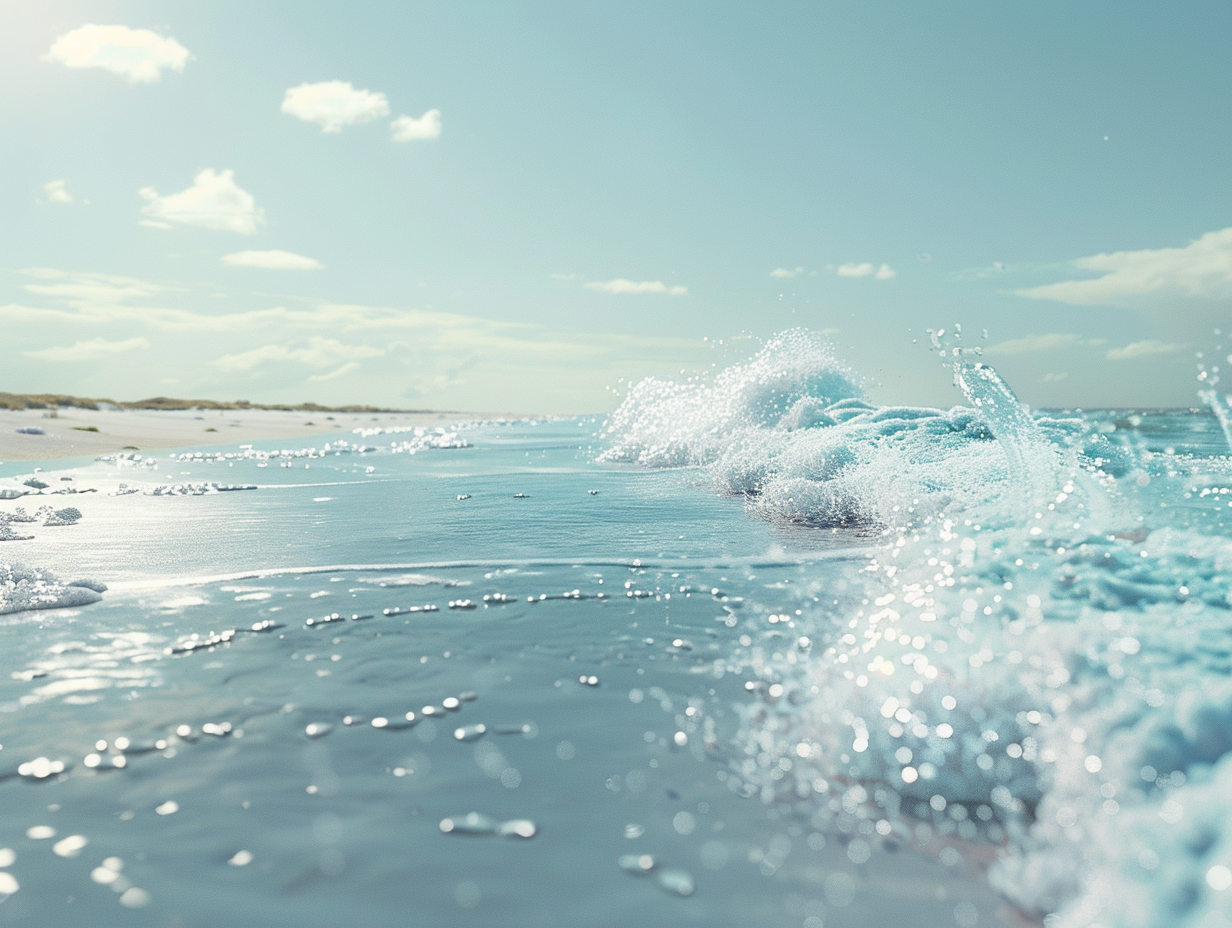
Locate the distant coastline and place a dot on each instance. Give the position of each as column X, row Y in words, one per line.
column 45, row 427
column 56, row 400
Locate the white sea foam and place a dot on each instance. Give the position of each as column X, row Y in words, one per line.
column 792, row 380
column 414, row 579
column 24, row 588
column 7, row 532
column 1034, row 654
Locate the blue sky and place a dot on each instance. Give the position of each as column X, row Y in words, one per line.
column 513, row 206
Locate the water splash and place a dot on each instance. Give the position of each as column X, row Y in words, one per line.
column 1208, row 377
column 1030, row 678
column 1021, row 439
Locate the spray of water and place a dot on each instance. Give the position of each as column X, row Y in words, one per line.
column 1208, row 392
column 1002, row 413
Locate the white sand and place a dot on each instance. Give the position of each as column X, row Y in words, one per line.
column 68, row 435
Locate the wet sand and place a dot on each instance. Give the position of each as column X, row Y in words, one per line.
column 77, row 432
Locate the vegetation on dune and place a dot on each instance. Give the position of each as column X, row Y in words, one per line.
column 54, row 400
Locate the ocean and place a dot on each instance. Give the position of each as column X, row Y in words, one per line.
column 752, row 650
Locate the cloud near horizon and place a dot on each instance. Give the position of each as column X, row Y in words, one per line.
column 408, row 129
column 138, row 55
column 622, row 286
column 214, row 201
column 91, row 350
column 1149, row 278
column 86, row 292
column 347, row 368
column 313, row 350
column 866, row 269
column 274, row 260
column 320, row 352
column 1147, row 348
column 334, row 104
column 1050, row 341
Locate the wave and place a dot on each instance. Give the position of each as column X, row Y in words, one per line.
column 658, row 563
column 1036, row 655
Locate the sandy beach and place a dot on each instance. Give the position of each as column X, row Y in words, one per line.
column 75, row 432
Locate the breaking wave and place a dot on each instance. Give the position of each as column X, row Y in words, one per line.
column 1036, row 656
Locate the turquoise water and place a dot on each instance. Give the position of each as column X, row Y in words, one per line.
column 752, row 651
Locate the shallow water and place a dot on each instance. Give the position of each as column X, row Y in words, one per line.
column 903, row 664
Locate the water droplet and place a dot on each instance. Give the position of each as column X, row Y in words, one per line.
column 472, row 823
column 470, row 732
column 40, row 768
column 134, row 898
column 636, row 863
column 70, row 846
column 676, row 882
column 518, row 828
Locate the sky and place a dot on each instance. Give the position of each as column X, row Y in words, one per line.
column 524, row 206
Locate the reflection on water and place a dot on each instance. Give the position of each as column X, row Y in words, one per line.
column 495, row 682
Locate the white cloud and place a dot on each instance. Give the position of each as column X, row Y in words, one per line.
column 334, row 104
column 214, row 201
column 254, row 357
column 107, row 299
column 1148, row 348
column 1051, row 341
column 86, row 292
column 865, row 269
column 320, row 352
column 138, row 55
column 404, row 354
column 620, row 285
column 855, row 270
column 274, row 260
column 409, row 129
column 335, row 374
column 57, row 192
column 785, row 272
column 92, row 350
column 1150, row 278
column 404, row 336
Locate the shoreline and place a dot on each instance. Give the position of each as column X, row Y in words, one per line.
column 77, row 432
